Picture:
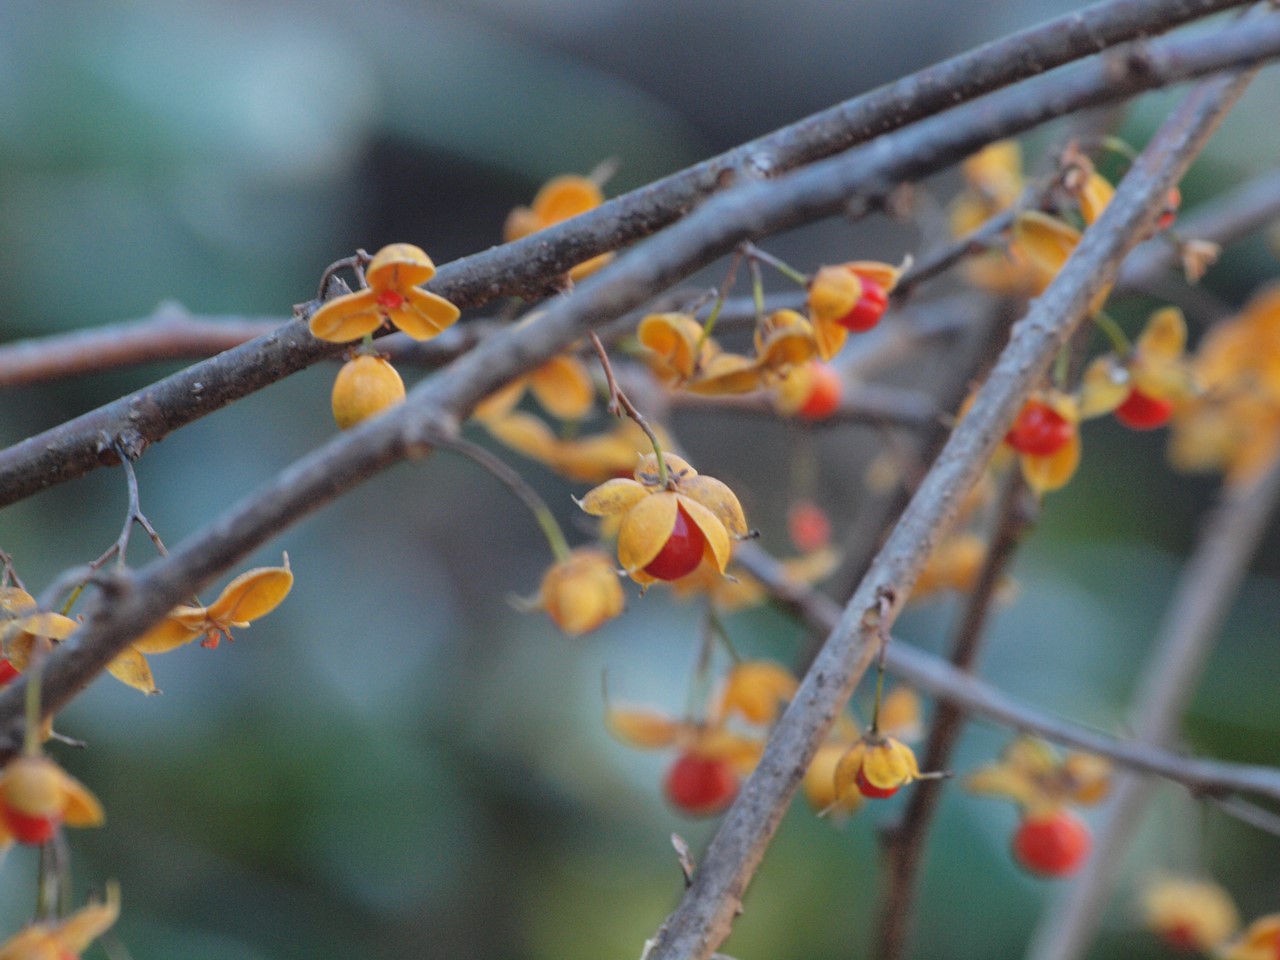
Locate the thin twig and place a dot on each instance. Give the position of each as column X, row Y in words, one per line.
column 620, row 403
column 139, row 419
column 872, row 404
column 905, row 841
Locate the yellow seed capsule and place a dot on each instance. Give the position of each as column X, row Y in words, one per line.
column 365, row 386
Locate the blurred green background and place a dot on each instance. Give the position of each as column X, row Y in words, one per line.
column 396, row 763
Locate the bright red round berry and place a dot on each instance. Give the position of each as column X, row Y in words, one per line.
column 1039, row 430
column 866, row 313
column 870, row 790
column 825, row 388
column 7, row 672
column 700, row 786
column 390, row 300
column 682, row 552
column 29, row 829
column 1052, row 845
column 1182, row 937
column 1141, row 411
column 808, row 526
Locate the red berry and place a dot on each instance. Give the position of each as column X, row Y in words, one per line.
column 1039, row 430
column 1141, row 411
column 390, row 300
column 866, row 313
column 1052, row 845
column 1181, row 937
column 682, row 552
column 700, row 786
column 29, row 829
column 825, row 389
column 1173, row 200
column 870, row 790
column 7, row 672
column 808, row 526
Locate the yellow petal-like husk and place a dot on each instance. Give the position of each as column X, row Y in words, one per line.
column 525, row 434
column 1003, row 780
column 15, row 602
column 820, row 782
column 564, row 388
column 885, row 274
column 348, row 317
column 1195, row 910
column 581, row 592
column 501, row 402
column 677, row 469
column 169, row 634
column 646, row 527
column 741, row 751
column 1260, row 941
column 833, row 293
column 398, row 266
column 55, row 626
column 566, row 196
column 252, row 594
column 786, row 340
column 1104, row 386
column 900, row 714
column 1046, row 242
column 829, row 336
column 520, row 223
column 615, row 497
column 647, row 729
column 719, row 499
column 131, row 667
column 845, row 781
column 726, row 373
column 1094, row 197
column 80, row 807
column 1165, row 335
column 719, row 546
column 757, row 690
column 889, row 765
column 996, row 171
column 79, row 930
column 1046, row 474
column 424, row 314
column 673, row 340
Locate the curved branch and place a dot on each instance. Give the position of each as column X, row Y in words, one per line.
column 86, row 443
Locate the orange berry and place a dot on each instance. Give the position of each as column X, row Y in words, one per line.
column 701, row 786
column 7, row 672
column 1039, row 430
column 1141, row 411
column 1052, row 845
column 825, row 389
column 682, row 552
column 366, row 385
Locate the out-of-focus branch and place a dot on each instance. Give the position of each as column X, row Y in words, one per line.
column 1204, row 594
column 87, row 442
column 873, row 404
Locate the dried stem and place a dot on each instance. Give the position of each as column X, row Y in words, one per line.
column 905, row 842
column 620, row 403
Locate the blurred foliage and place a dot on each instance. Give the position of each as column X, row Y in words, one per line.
column 395, row 763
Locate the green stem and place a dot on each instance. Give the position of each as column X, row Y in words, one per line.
column 31, row 729
column 722, row 294
column 1107, row 324
column 784, row 268
column 757, row 290
column 1061, row 367
column 718, row 626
